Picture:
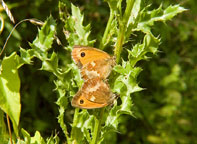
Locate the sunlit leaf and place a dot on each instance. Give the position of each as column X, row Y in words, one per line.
column 9, row 90
column 26, row 135
column 76, row 33
column 37, row 138
column 148, row 18
column 44, row 40
column 139, row 51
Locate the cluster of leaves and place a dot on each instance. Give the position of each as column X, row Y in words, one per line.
column 166, row 111
column 89, row 126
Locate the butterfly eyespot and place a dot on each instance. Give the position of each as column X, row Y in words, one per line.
column 81, row 101
column 83, row 54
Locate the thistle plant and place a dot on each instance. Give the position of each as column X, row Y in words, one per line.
column 88, row 126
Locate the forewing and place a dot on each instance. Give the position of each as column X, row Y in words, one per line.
column 89, row 54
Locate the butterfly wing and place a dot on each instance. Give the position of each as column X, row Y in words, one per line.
column 96, row 90
column 99, row 68
column 95, row 66
column 80, row 101
column 94, row 94
column 83, row 55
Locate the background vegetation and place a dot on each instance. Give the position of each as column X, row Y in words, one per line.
column 164, row 112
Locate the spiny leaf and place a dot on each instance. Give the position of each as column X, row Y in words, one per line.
column 76, row 33
column 45, row 35
column 61, row 120
column 134, row 13
column 44, row 40
column 139, row 51
column 112, row 122
column 114, row 4
column 53, row 140
column 37, row 138
column 148, row 18
column 125, row 84
column 26, row 135
column 26, row 56
column 51, row 64
column 86, row 123
column 133, row 19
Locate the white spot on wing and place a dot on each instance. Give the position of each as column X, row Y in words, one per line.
column 92, row 98
column 93, row 63
column 92, row 89
column 92, row 74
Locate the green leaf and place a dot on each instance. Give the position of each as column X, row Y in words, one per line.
column 26, row 56
column 78, row 26
column 44, row 40
column 114, row 4
column 86, row 124
column 26, row 135
column 130, row 83
column 51, row 64
column 125, row 84
column 76, row 33
column 139, row 51
column 61, row 121
column 133, row 19
column 148, row 18
column 53, row 140
column 37, row 139
column 9, row 90
column 134, row 13
column 112, row 120
column 4, row 137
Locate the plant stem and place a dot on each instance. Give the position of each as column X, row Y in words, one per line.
column 62, row 124
column 104, row 39
column 122, row 30
column 9, row 128
column 97, row 126
column 75, row 120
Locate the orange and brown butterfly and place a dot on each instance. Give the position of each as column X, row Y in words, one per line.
column 95, row 66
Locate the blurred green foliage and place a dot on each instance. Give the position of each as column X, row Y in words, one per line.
column 165, row 111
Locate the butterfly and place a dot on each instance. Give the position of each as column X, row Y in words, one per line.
column 95, row 66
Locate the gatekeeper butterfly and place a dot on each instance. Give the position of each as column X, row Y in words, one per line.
column 95, row 66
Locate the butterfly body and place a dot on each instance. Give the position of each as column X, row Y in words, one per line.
column 95, row 66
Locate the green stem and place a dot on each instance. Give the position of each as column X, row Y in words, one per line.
column 97, row 126
column 104, row 39
column 75, row 120
column 62, row 124
column 9, row 128
column 122, row 30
